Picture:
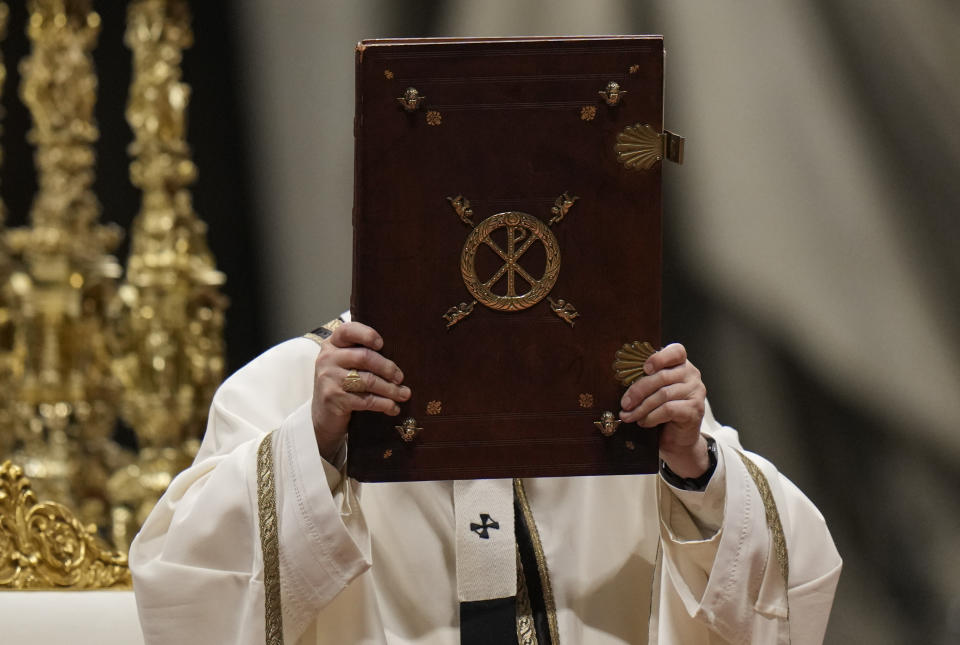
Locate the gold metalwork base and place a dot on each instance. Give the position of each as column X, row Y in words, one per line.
column 44, row 546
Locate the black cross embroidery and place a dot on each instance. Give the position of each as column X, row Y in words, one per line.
column 487, row 523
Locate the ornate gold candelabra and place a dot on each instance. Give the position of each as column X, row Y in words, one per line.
column 76, row 350
column 6, row 300
column 172, row 318
column 64, row 397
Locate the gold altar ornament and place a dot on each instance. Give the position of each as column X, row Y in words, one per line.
column 170, row 312
column 63, row 397
column 44, row 546
column 7, row 361
column 76, row 349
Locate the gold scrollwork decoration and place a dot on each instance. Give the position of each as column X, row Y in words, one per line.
column 434, row 117
column 630, row 358
column 434, row 407
column 44, row 545
column 585, row 400
column 588, row 112
column 524, row 230
column 61, row 397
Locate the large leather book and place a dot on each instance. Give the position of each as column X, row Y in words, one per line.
column 507, row 242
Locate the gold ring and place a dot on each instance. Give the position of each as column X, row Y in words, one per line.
column 352, row 382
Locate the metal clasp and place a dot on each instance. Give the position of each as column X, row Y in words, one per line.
column 640, row 147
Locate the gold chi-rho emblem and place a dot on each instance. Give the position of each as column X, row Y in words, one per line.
column 519, row 290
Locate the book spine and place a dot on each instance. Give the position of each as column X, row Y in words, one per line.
column 356, row 312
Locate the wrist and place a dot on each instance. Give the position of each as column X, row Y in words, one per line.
column 692, row 462
column 329, row 448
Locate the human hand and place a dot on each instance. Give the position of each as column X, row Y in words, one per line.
column 672, row 394
column 356, row 346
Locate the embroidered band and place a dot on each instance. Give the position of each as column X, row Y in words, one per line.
column 528, row 526
column 324, row 331
column 269, row 541
column 526, row 630
column 773, row 519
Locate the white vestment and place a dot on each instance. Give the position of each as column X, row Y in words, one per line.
column 376, row 563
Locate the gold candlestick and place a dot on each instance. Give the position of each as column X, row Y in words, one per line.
column 64, row 397
column 172, row 338
column 6, row 297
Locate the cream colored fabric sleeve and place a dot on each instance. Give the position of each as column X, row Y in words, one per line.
column 730, row 582
column 197, row 562
column 705, row 507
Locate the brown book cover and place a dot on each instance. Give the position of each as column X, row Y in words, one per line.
column 507, row 242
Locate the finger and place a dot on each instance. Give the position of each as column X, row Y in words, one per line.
column 362, row 358
column 644, row 387
column 687, row 412
column 675, row 392
column 368, row 401
column 373, row 384
column 354, row 333
column 670, row 356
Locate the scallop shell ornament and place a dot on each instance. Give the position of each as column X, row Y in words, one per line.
column 628, row 366
column 639, row 147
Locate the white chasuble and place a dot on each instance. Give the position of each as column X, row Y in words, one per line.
column 389, row 563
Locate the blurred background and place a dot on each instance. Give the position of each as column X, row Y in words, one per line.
column 812, row 238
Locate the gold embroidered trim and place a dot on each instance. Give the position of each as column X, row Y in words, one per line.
column 541, row 561
column 269, row 541
column 526, row 631
column 314, row 337
column 329, row 326
column 773, row 519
